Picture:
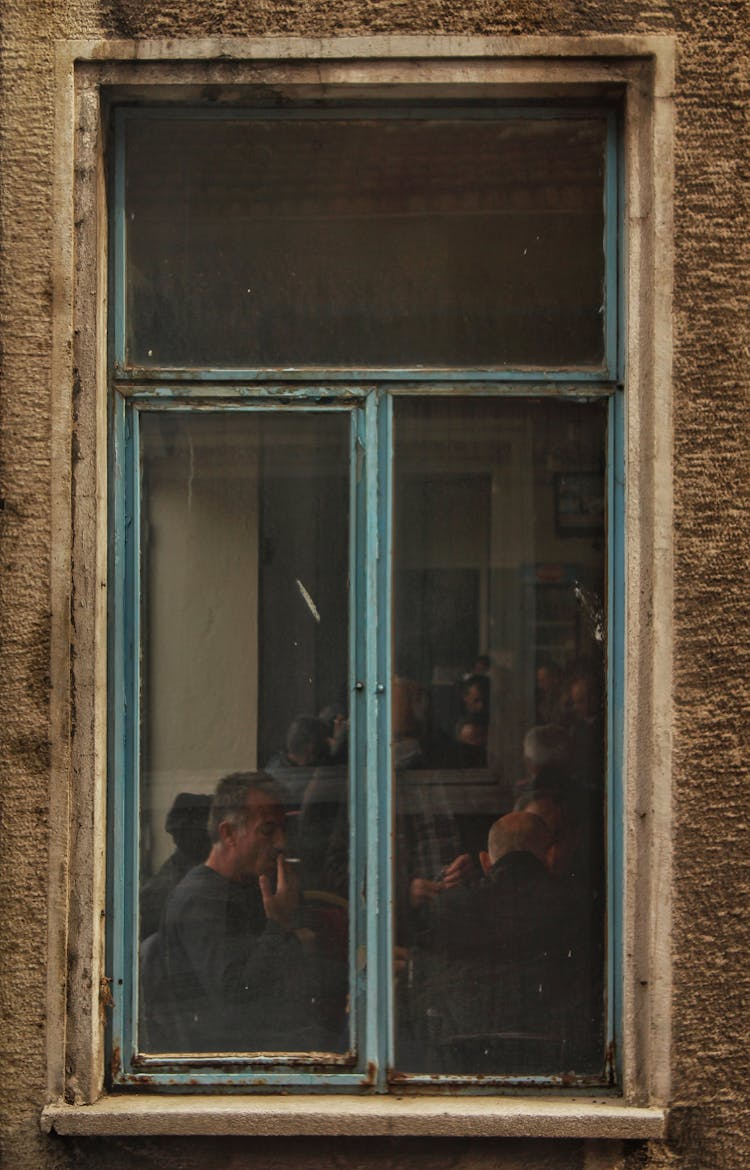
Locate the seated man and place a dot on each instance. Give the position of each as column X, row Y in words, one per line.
column 232, row 954
column 495, row 986
column 546, row 760
column 306, row 746
column 514, row 912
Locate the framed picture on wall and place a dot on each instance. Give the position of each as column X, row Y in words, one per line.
column 579, row 503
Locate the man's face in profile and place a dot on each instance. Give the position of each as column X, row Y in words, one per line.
column 258, row 841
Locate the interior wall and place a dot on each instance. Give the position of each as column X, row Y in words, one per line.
column 200, row 613
column 710, row 1120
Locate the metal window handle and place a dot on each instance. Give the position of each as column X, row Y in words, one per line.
column 359, row 686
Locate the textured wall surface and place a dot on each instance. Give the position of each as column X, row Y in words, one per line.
column 711, row 1061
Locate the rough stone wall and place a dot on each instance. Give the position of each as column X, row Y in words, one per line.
column 711, row 1064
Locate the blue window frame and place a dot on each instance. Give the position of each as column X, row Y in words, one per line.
column 190, row 371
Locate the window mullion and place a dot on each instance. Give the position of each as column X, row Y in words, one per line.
column 378, row 1042
column 124, row 754
column 358, row 741
column 385, row 769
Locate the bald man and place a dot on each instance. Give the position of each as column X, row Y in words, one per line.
column 518, row 832
column 519, row 910
column 503, row 958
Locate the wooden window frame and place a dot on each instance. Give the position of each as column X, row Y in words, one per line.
column 636, row 71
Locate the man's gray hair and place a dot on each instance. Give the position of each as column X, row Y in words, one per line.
column 230, row 799
column 547, row 744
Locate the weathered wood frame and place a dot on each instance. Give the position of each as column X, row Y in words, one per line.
column 640, row 71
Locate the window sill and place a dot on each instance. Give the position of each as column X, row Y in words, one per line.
column 367, row 1117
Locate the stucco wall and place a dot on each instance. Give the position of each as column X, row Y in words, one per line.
column 711, row 1061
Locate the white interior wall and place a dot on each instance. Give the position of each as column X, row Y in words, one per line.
column 201, row 699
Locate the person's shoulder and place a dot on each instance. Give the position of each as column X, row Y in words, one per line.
column 199, row 883
column 201, row 903
column 202, row 874
column 519, row 883
column 519, row 865
column 278, row 761
column 463, row 905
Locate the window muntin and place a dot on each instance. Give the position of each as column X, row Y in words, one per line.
column 350, row 241
column 370, row 888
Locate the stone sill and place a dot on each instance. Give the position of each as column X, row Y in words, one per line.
column 363, row 1116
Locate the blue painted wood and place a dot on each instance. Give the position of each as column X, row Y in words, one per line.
column 320, row 375
column 125, row 758
column 178, row 405
column 357, row 735
column 376, row 985
column 133, row 594
column 385, row 841
column 322, row 1082
column 193, row 389
column 197, row 1079
column 131, row 836
column 125, row 726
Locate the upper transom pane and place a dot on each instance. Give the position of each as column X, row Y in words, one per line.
column 449, row 241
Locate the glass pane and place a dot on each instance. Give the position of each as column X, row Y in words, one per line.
column 365, row 243
column 498, row 724
column 244, row 665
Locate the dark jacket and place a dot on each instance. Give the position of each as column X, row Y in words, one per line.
column 233, row 981
column 498, row 983
column 518, row 912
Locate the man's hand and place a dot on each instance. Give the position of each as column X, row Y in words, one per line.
column 422, row 891
column 281, row 906
column 401, row 957
column 459, row 871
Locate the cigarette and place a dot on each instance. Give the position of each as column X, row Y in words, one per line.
column 293, row 861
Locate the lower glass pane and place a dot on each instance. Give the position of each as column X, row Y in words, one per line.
column 244, row 665
column 498, row 736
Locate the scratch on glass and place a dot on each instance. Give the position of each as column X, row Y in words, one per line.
column 308, row 600
column 592, row 607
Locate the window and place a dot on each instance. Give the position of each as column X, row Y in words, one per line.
column 365, row 430
column 95, row 1043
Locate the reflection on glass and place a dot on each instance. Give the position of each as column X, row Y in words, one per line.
column 367, row 242
column 244, row 661
column 498, row 726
